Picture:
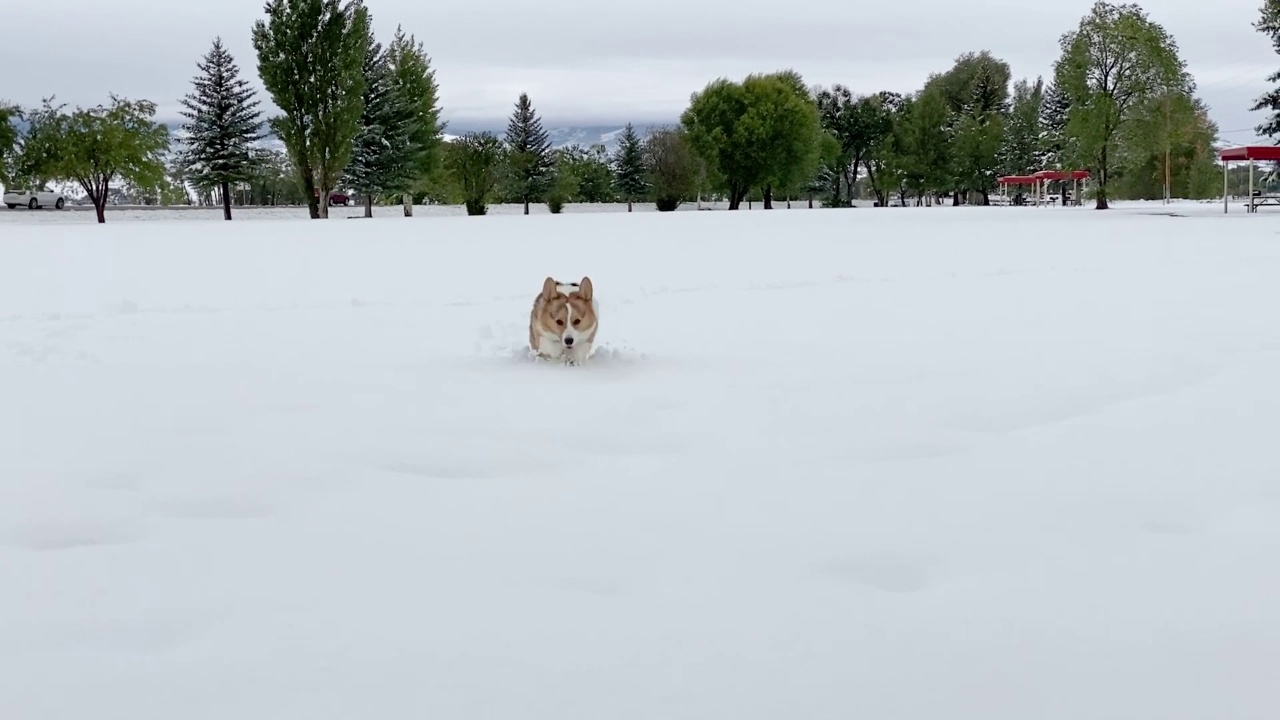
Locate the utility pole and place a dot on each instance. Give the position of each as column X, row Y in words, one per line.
column 1168, row 143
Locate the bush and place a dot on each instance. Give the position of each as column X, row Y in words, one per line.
column 668, row 204
column 671, row 169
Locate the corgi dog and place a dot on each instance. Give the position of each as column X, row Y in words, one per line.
column 563, row 322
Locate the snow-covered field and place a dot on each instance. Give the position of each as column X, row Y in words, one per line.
column 913, row 464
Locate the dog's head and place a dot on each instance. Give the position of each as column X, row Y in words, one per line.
column 571, row 316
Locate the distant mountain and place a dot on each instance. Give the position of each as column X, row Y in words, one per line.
column 583, row 135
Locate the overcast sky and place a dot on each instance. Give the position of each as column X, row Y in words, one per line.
column 604, row 63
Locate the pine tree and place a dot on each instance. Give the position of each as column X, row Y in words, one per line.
column 628, row 166
column 1019, row 153
column 529, row 145
column 1054, row 142
column 224, row 124
column 310, row 55
column 415, row 81
column 1269, row 24
column 381, row 157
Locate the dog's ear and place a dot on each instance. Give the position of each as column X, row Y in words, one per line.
column 549, row 288
column 584, row 288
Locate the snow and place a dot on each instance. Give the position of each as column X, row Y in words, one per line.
column 987, row 464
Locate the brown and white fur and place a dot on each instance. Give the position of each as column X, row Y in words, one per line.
column 563, row 322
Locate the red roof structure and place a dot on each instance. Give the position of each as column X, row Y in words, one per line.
column 1063, row 175
column 1016, row 180
column 1250, row 152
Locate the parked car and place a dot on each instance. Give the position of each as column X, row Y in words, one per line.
column 337, row 198
column 34, row 199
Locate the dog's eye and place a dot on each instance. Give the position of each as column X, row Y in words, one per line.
column 560, row 322
column 575, row 322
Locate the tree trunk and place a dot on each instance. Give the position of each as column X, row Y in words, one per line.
column 368, row 205
column 735, row 198
column 767, row 192
column 311, row 191
column 986, row 198
column 526, row 206
column 100, row 207
column 322, row 206
column 628, row 204
column 853, row 180
column 407, row 200
column 1102, row 180
column 955, row 198
column 810, row 201
column 226, row 200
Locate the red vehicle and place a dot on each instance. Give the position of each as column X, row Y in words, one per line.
column 337, row 198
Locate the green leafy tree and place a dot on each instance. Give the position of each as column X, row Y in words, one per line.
column 275, row 180
column 586, row 171
column 382, row 158
column 1115, row 61
column 925, row 149
column 532, row 167
column 628, row 167
column 310, row 57
column 752, row 133
column 475, row 164
column 1167, row 150
column 97, row 147
column 671, row 169
column 415, row 82
column 859, row 124
column 798, row 152
column 223, row 123
column 8, row 138
column 884, row 111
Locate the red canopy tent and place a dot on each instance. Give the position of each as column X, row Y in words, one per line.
column 1249, row 154
column 1038, row 179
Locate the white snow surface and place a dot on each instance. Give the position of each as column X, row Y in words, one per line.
column 911, row 464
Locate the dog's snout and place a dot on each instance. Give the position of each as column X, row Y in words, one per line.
column 568, row 341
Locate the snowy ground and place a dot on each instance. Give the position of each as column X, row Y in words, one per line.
column 914, row 464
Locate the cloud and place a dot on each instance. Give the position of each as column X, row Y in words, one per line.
column 586, row 62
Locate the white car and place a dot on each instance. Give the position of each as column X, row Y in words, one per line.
column 34, row 200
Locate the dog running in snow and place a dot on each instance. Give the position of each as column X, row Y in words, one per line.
column 563, row 322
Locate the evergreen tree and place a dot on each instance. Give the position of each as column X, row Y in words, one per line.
column 381, row 157
column 310, row 56
column 415, row 81
column 1055, row 144
column 976, row 92
column 628, row 166
column 1020, row 151
column 224, row 124
column 1269, row 24
column 531, row 161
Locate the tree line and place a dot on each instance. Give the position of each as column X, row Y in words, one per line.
column 361, row 116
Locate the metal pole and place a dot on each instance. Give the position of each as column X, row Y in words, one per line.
column 1224, row 187
column 1251, row 207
